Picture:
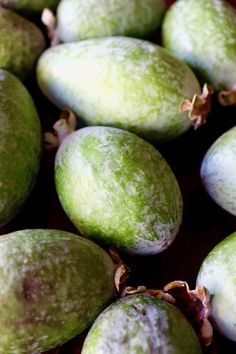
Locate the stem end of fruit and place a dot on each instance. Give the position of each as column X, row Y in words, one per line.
column 49, row 21
column 199, row 107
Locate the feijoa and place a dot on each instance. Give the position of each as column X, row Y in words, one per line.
column 118, row 81
column 21, row 43
column 217, row 274
column 20, row 145
column 218, row 171
column 82, row 19
column 141, row 324
column 52, row 285
column 29, row 7
column 118, row 190
column 203, row 34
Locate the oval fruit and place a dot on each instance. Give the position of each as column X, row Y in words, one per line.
column 29, row 7
column 117, row 189
column 20, row 45
column 118, row 81
column 82, row 19
column 141, row 324
column 20, row 145
column 217, row 274
column 53, row 284
column 218, row 171
column 202, row 33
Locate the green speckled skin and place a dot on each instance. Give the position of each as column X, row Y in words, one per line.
column 141, row 324
column 21, row 44
column 52, row 285
column 83, row 19
column 117, row 189
column 20, row 145
column 218, row 275
column 218, row 171
column 203, row 34
column 118, row 81
column 29, row 7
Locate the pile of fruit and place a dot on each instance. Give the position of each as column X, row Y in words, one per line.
column 117, row 177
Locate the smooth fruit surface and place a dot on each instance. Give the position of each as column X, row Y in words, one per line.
column 118, row 81
column 83, row 19
column 21, row 43
column 141, row 324
column 217, row 274
column 118, row 189
column 20, row 145
column 53, row 284
column 218, row 171
column 202, row 33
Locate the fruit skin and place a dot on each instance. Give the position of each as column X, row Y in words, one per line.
column 21, row 44
column 83, row 19
column 29, row 7
column 218, row 171
column 53, row 284
column 118, row 81
column 141, row 324
column 20, row 145
column 117, row 189
column 202, row 33
column 217, row 274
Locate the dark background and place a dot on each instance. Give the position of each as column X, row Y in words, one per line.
column 204, row 223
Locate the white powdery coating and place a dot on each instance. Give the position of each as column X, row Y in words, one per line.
column 203, row 34
column 82, row 19
column 217, row 274
column 122, row 82
column 38, row 268
column 108, row 194
column 218, row 171
column 143, row 324
column 136, row 328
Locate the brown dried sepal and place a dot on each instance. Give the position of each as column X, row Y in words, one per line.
column 121, row 276
column 228, row 98
column 62, row 128
column 199, row 107
column 151, row 292
column 50, row 22
column 195, row 304
column 121, row 271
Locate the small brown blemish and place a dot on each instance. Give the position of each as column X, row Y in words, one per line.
column 31, row 288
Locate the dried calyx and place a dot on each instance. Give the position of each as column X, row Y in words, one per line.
column 194, row 304
column 228, row 98
column 121, row 273
column 62, row 128
column 49, row 20
column 199, row 107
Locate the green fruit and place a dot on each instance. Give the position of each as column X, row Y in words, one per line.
column 29, row 7
column 21, row 44
column 217, row 274
column 218, row 171
column 203, row 34
column 118, row 81
column 52, row 285
column 117, row 189
column 83, row 19
column 20, row 145
column 141, row 324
